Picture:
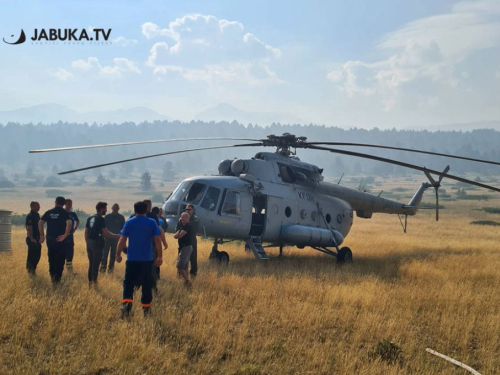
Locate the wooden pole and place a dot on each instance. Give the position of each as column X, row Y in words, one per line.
column 454, row 361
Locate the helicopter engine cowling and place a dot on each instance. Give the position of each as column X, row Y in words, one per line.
column 301, row 235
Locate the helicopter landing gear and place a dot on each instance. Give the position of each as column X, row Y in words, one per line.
column 344, row 255
column 219, row 256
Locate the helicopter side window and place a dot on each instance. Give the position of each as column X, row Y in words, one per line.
column 211, row 199
column 286, row 174
column 231, row 203
column 180, row 191
column 195, row 193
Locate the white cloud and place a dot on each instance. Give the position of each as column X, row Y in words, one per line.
column 61, row 74
column 124, row 41
column 426, row 50
column 121, row 65
column 204, row 48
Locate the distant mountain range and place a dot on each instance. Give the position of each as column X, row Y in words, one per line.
column 468, row 126
column 227, row 112
column 53, row 113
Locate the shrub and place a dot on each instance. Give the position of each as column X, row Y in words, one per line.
column 158, row 197
column 6, row 184
column 387, row 351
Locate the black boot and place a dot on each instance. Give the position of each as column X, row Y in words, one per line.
column 126, row 309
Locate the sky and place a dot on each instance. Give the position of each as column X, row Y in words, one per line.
column 339, row 63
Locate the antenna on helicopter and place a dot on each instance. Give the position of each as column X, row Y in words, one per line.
column 436, row 185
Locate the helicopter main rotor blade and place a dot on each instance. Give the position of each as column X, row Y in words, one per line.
column 141, row 142
column 162, row 154
column 401, row 149
column 406, row 165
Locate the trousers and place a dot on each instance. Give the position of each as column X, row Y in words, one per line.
column 57, row 256
column 94, row 252
column 34, row 254
column 193, row 259
column 138, row 273
column 109, row 249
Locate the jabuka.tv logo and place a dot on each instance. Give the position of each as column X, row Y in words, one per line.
column 63, row 35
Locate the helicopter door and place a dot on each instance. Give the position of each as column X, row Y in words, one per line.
column 258, row 215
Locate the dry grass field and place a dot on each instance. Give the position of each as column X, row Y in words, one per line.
column 436, row 286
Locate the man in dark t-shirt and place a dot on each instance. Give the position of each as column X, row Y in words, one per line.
column 195, row 223
column 114, row 222
column 183, row 235
column 33, row 238
column 70, row 241
column 58, row 229
column 95, row 231
column 155, row 271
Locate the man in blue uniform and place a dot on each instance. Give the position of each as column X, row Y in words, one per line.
column 58, row 229
column 141, row 232
column 33, row 238
column 70, row 242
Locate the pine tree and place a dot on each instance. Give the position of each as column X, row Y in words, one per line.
column 101, row 180
column 168, row 173
column 146, row 183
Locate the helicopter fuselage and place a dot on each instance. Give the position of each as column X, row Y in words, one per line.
column 279, row 199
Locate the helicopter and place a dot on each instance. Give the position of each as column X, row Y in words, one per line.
column 274, row 199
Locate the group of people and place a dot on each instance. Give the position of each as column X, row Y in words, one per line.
column 141, row 238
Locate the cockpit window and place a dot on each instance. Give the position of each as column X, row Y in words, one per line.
column 195, row 193
column 232, row 203
column 180, row 192
column 286, row 174
column 211, row 199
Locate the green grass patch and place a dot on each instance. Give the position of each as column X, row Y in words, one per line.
column 492, row 210
column 486, row 222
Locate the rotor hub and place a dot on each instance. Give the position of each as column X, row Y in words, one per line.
column 284, row 143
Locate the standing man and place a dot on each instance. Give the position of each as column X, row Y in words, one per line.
column 195, row 223
column 95, row 231
column 114, row 223
column 58, row 229
column 33, row 238
column 141, row 233
column 183, row 235
column 70, row 242
column 155, row 271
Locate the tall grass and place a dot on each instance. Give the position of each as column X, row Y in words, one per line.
column 436, row 286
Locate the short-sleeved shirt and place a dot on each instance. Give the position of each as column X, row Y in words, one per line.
column 74, row 219
column 140, row 231
column 154, row 217
column 114, row 223
column 32, row 220
column 186, row 239
column 95, row 225
column 56, row 221
column 162, row 224
column 194, row 222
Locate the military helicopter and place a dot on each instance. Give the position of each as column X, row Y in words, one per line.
column 278, row 200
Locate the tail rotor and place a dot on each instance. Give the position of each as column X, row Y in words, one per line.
column 436, row 185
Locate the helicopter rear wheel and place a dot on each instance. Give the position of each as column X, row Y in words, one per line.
column 344, row 255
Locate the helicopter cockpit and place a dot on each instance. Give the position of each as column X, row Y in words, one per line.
column 221, row 205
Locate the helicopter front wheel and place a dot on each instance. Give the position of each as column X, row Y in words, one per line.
column 344, row 255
